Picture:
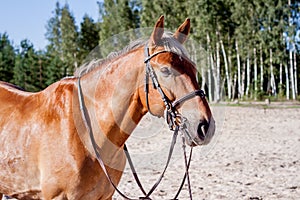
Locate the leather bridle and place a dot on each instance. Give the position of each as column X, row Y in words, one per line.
column 171, row 113
column 172, row 117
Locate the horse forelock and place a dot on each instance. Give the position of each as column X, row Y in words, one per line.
column 171, row 44
column 168, row 42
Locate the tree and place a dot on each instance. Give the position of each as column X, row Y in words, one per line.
column 213, row 29
column 249, row 47
column 69, row 39
column 28, row 68
column 54, row 49
column 175, row 11
column 292, row 48
column 62, row 50
column 53, row 32
column 88, row 37
column 53, row 69
column 7, row 58
column 116, row 17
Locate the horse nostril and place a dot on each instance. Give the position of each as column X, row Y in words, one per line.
column 202, row 129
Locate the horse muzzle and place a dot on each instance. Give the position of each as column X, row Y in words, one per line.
column 201, row 134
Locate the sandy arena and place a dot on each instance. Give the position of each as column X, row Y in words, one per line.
column 255, row 154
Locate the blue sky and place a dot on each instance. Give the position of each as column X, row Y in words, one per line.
column 27, row 19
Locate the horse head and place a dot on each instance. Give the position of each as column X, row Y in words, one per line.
column 177, row 89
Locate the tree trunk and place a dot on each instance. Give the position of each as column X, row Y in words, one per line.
column 295, row 74
column 230, row 69
column 239, row 69
column 201, row 64
column 210, row 77
column 234, row 85
column 203, row 76
column 292, row 75
column 210, row 64
column 227, row 73
column 218, row 72
column 280, row 79
column 248, row 75
column 255, row 74
column 287, row 81
column 273, row 84
column 214, row 77
column 243, row 79
column 261, row 69
column 291, row 63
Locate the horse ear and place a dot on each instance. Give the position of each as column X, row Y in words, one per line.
column 158, row 31
column 183, row 31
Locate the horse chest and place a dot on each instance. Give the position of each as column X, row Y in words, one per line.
column 90, row 183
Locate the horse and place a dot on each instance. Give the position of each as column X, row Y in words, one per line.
column 46, row 151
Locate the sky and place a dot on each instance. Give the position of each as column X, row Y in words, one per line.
column 27, row 19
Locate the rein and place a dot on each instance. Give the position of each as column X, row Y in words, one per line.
column 172, row 117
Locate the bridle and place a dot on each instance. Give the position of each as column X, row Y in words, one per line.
column 173, row 119
column 171, row 114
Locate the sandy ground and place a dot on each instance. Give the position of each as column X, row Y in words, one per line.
column 255, row 154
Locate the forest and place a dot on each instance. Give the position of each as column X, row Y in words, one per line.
column 251, row 47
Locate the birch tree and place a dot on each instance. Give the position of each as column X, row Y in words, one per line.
column 287, row 82
column 248, row 75
column 292, row 74
column 291, row 48
column 255, row 73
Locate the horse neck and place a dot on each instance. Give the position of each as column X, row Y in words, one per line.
column 112, row 98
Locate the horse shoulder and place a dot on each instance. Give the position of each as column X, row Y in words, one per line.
column 71, row 162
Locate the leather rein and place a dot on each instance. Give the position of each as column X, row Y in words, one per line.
column 172, row 117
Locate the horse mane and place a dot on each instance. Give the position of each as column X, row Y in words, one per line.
column 168, row 42
column 9, row 85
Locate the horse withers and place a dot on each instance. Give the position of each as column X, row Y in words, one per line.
column 45, row 146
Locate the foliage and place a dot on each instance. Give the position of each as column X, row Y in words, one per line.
column 266, row 33
column 69, row 40
column 88, row 37
column 7, row 58
column 28, row 69
column 116, row 17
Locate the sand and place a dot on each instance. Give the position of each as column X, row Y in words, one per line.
column 255, row 154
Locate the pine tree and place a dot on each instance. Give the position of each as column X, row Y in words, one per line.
column 88, row 37
column 7, row 58
column 175, row 11
column 62, row 50
column 116, row 17
column 19, row 72
column 69, row 39
column 54, row 48
column 53, row 34
column 27, row 69
column 53, row 69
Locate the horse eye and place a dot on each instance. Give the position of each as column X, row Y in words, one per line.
column 166, row 71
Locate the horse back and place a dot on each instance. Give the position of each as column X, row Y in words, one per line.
column 13, row 97
column 31, row 124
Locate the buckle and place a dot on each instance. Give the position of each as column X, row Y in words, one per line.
column 173, row 118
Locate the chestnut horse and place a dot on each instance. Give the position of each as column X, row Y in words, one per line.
column 45, row 147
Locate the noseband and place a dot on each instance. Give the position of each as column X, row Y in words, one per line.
column 171, row 113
